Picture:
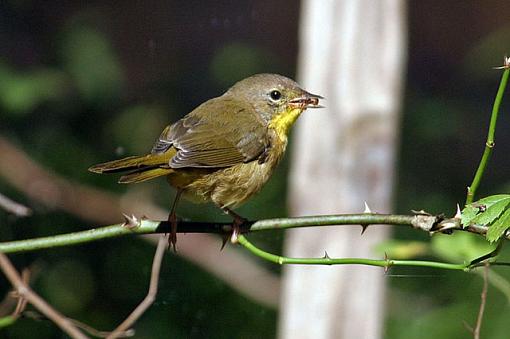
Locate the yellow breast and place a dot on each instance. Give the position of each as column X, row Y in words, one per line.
column 282, row 122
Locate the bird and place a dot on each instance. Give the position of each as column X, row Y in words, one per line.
column 224, row 150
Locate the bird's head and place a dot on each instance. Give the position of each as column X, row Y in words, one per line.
column 278, row 100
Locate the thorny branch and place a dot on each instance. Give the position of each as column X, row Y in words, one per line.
column 422, row 221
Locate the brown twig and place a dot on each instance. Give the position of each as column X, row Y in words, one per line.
column 14, row 207
column 151, row 294
column 100, row 334
column 483, row 301
column 33, row 298
column 13, row 304
column 22, row 301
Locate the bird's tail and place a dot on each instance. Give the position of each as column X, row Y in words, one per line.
column 138, row 168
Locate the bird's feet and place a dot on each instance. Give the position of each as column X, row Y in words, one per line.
column 172, row 220
column 236, row 228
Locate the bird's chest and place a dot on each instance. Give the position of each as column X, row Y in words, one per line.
column 230, row 187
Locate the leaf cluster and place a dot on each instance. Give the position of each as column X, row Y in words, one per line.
column 492, row 211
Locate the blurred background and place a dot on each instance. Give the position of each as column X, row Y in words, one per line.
column 86, row 83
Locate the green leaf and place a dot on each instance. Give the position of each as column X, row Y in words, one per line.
column 491, row 213
column 486, row 210
column 498, row 228
column 492, row 199
column 468, row 213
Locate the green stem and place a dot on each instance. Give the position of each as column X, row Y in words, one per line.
column 7, row 321
column 386, row 263
column 144, row 227
column 489, row 144
column 427, row 223
column 339, row 219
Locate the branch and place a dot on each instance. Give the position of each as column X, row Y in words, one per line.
column 483, row 301
column 489, row 144
column 30, row 296
column 326, row 260
column 427, row 223
column 14, row 298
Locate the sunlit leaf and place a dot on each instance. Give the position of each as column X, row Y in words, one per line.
column 486, row 210
column 468, row 213
column 498, row 228
column 492, row 212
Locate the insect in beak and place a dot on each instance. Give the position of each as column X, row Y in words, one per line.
column 307, row 100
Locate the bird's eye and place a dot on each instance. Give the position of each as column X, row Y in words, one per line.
column 275, row 95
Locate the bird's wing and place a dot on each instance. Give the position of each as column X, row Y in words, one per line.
column 219, row 133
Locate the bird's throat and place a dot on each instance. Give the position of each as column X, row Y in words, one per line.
column 282, row 122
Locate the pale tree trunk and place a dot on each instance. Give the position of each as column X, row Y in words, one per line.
column 352, row 52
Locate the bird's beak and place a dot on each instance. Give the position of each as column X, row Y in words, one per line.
column 307, row 100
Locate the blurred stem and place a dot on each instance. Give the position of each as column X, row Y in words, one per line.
column 326, row 260
column 7, row 321
column 483, row 301
column 489, row 144
column 500, row 283
column 75, row 238
column 14, row 207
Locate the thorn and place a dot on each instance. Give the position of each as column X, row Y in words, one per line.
column 326, row 256
column 367, row 209
column 364, row 228
column 387, row 267
column 458, row 214
column 130, row 221
column 235, row 234
column 506, row 63
column 421, row 212
column 224, row 240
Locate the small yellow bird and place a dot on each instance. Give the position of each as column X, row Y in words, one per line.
column 225, row 150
